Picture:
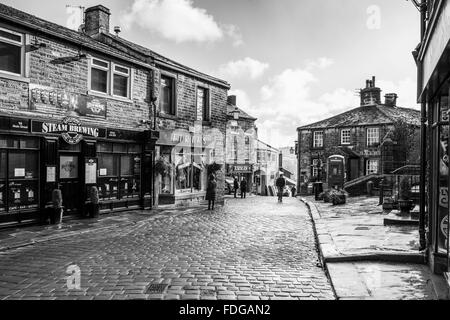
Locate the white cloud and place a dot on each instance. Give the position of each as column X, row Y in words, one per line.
column 286, row 103
column 178, row 20
column 234, row 33
column 406, row 90
column 320, row 63
column 247, row 67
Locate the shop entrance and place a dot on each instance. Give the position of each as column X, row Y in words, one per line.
column 70, row 182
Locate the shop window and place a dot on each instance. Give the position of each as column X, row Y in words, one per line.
column 119, row 172
column 11, row 52
column 373, row 137
column 167, row 95
column 190, row 170
column 19, row 174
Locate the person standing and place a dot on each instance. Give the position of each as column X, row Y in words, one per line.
column 243, row 188
column 211, row 192
column 280, row 183
column 235, row 186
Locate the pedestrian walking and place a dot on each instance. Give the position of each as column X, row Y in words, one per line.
column 235, row 186
column 243, row 188
column 280, row 184
column 293, row 191
column 211, row 192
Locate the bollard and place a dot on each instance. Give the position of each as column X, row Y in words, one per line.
column 370, row 188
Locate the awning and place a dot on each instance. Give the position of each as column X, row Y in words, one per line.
column 290, row 182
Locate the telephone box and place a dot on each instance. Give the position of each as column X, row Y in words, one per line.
column 336, row 171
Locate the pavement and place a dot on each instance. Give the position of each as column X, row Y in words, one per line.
column 248, row 249
column 366, row 259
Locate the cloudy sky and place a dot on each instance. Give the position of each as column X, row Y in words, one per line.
column 290, row 62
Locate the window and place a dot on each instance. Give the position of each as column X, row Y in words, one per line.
column 118, row 85
column 19, row 173
column 318, row 139
column 119, row 170
column 121, row 80
column 167, row 94
column 203, row 103
column 11, row 52
column 315, row 168
column 99, row 76
column 372, row 167
column 247, row 148
column 345, row 136
column 373, row 137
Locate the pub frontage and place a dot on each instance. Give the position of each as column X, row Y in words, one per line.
column 433, row 61
column 38, row 156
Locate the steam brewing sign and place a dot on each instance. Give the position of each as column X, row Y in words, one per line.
column 70, row 129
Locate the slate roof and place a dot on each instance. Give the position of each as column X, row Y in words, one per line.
column 242, row 113
column 110, row 39
column 102, row 43
column 368, row 115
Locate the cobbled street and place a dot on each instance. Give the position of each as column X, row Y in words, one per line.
column 249, row 249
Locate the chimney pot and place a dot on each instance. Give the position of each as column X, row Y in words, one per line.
column 373, row 82
column 96, row 20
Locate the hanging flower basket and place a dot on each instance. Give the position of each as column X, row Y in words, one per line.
column 214, row 167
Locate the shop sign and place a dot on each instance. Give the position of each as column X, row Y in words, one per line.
column 70, row 129
column 183, row 138
column 241, row 168
column 84, row 105
column 437, row 43
column 19, row 125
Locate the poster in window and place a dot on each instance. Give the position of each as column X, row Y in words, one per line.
column 91, row 171
column 19, row 172
column 68, row 167
column 51, row 174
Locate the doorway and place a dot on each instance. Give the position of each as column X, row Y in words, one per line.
column 354, row 169
column 70, row 182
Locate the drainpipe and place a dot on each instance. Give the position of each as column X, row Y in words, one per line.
column 423, row 135
column 299, row 133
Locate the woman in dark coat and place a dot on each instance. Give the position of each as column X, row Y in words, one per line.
column 211, row 192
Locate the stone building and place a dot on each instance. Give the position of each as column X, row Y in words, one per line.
column 374, row 138
column 267, row 168
column 84, row 108
column 433, row 64
column 241, row 143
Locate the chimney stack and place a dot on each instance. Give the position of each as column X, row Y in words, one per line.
column 373, row 82
column 390, row 99
column 96, row 20
column 232, row 100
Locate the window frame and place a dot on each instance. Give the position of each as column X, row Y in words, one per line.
column 349, row 136
column 108, row 75
column 127, row 75
column 21, row 45
column 111, row 71
column 368, row 167
column 206, row 103
column 174, row 104
column 314, row 139
column 369, row 136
